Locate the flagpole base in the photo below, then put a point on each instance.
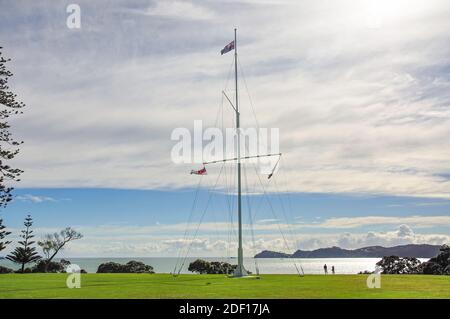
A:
(240, 272)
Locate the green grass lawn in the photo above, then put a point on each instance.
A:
(218, 286)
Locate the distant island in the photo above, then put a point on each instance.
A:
(412, 250)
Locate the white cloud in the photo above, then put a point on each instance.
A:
(35, 199)
(210, 246)
(179, 10)
(405, 231)
(402, 236)
(353, 222)
(216, 240)
(268, 220)
(361, 110)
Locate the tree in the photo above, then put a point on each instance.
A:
(439, 265)
(26, 253)
(8, 147)
(399, 265)
(53, 267)
(135, 267)
(3, 234)
(199, 266)
(216, 267)
(53, 243)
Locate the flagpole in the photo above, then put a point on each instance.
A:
(240, 270)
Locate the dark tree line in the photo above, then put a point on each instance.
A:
(9, 147)
(134, 267)
(3, 234)
(439, 265)
(201, 266)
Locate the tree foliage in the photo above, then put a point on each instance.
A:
(5, 270)
(439, 265)
(25, 253)
(399, 265)
(53, 267)
(9, 147)
(205, 267)
(135, 267)
(3, 234)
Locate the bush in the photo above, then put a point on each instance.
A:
(199, 266)
(110, 267)
(25, 271)
(130, 267)
(53, 267)
(446, 271)
(399, 265)
(138, 267)
(5, 270)
(439, 265)
(431, 268)
(64, 262)
(204, 267)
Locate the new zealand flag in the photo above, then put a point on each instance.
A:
(227, 48)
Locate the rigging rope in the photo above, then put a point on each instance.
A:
(248, 94)
(188, 222)
(264, 190)
(275, 217)
(201, 219)
(288, 194)
(230, 198)
(290, 228)
(251, 222)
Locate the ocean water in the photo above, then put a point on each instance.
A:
(265, 265)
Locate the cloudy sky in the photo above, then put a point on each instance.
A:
(360, 91)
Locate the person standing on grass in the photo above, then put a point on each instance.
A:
(325, 269)
(332, 270)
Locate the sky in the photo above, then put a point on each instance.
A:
(360, 91)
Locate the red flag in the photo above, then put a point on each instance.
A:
(199, 172)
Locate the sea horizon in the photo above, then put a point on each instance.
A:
(265, 265)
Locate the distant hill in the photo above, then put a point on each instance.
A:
(272, 254)
(413, 250)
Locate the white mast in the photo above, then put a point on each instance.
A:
(240, 270)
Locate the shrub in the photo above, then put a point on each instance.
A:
(138, 267)
(110, 267)
(431, 268)
(52, 266)
(446, 271)
(439, 265)
(25, 271)
(5, 270)
(199, 266)
(130, 267)
(399, 265)
(204, 267)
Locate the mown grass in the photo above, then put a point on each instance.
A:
(219, 286)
